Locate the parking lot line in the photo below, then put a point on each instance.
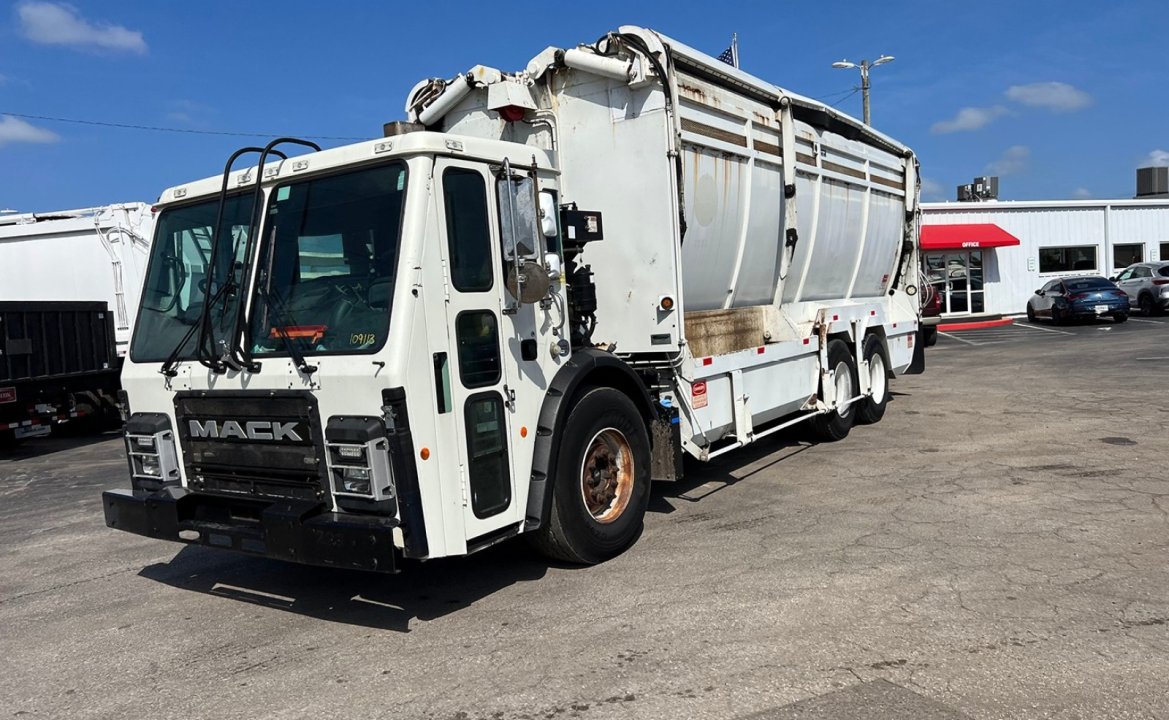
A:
(1154, 358)
(955, 337)
(1042, 329)
(1151, 322)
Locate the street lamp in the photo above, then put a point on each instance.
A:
(864, 66)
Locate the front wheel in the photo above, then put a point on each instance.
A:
(835, 425)
(1030, 313)
(872, 408)
(601, 487)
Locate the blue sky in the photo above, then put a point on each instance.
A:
(1061, 99)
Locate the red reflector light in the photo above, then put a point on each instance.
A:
(707, 361)
(835, 318)
(759, 351)
(512, 113)
(807, 341)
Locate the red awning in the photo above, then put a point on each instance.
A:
(950, 237)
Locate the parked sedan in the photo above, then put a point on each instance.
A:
(1147, 284)
(1088, 296)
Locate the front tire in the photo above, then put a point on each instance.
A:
(601, 488)
(872, 408)
(835, 425)
(1030, 313)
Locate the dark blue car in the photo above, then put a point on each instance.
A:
(1088, 296)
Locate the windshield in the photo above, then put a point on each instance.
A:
(176, 281)
(330, 248)
(1091, 283)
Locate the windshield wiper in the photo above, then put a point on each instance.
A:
(283, 319)
(168, 367)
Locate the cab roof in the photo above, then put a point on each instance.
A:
(361, 153)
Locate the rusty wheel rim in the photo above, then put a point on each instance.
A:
(606, 475)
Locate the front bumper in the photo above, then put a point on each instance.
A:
(295, 530)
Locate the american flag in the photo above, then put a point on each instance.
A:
(731, 55)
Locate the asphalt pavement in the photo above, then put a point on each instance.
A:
(996, 547)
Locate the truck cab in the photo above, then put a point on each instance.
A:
(335, 345)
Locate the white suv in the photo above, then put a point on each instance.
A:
(1147, 285)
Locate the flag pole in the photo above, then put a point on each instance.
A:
(735, 48)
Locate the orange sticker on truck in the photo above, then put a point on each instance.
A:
(698, 394)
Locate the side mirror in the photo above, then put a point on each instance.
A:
(1114, 278)
(521, 235)
(1039, 292)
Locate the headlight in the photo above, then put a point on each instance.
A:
(148, 465)
(359, 464)
(153, 456)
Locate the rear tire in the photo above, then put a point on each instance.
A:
(833, 426)
(601, 487)
(872, 409)
(1056, 316)
(1119, 318)
(1146, 304)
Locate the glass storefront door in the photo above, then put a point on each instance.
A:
(957, 276)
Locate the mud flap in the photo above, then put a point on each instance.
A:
(917, 367)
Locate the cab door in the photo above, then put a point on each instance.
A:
(473, 377)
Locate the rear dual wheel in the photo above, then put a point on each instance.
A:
(835, 425)
(872, 408)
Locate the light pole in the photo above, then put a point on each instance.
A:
(864, 66)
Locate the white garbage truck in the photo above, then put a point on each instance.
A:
(513, 311)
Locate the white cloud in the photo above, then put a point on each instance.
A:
(932, 190)
(15, 130)
(969, 118)
(1081, 193)
(1157, 158)
(1013, 160)
(1056, 96)
(50, 23)
(188, 112)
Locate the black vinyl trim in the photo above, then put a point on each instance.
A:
(405, 473)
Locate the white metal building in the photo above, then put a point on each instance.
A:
(989, 257)
(87, 254)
